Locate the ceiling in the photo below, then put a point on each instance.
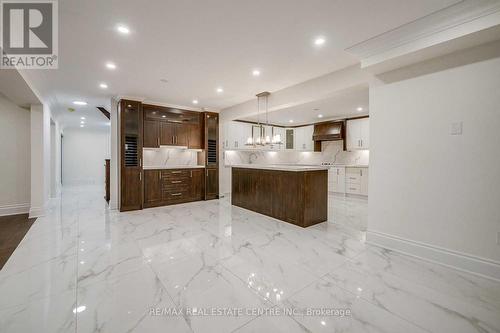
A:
(198, 46)
(342, 105)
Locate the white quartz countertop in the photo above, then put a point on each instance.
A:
(166, 167)
(281, 167)
(349, 166)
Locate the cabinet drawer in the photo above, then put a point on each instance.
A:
(353, 188)
(352, 178)
(167, 174)
(176, 181)
(176, 194)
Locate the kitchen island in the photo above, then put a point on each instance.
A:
(292, 193)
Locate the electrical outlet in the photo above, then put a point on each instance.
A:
(456, 128)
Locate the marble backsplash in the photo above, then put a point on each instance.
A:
(165, 156)
(331, 152)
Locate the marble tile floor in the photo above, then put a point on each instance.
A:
(83, 268)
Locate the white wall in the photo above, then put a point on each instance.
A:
(115, 156)
(15, 153)
(433, 194)
(84, 152)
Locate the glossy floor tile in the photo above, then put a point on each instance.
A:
(211, 267)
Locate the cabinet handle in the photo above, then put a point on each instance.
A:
(361, 172)
(191, 174)
(158, 140)
(176, 194)
(337, 172)
(353, 189)
(361, 142)
(140, 176)
(176, 181)
(140, 162)
(176, 171)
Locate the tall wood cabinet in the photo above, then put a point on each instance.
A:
(131, 155)
(211, 144)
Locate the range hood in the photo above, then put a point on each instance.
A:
(329, 131)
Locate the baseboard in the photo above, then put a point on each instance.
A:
(14, 209)
(461, 261)
(38, 211)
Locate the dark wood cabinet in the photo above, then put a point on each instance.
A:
(173, 186)
(197, 184)
(211, 183)
(211, 145)
(167, 134)
(131, 128)
(151, 134)
(181, 134)
(195, 136)
(297, 197)
(152, 188)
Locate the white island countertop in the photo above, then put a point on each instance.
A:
(281, 167)
(166, 167)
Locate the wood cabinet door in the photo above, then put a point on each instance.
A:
(131, 128)
(211, 183)
(197, 184)
(194, 140)
(151, 134)
(152, 187)
(167, 133)
(181, 134)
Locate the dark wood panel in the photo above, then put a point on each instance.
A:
(181, 134)
(300, 198)
(167, 134)
(151, 134)
(195, 136)
(197, 184)
(152, 188)
(211, 183)
(107, 181)
(131, 132)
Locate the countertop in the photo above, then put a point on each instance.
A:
(166, 167)
(348, 166)
(281, 167)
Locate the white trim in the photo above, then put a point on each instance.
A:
(455, 21)
(38, 211)
(462, 261)
(14, 209)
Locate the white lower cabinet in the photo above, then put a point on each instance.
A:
(356, 181)
(336, 179)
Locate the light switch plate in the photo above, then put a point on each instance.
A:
(456, 128)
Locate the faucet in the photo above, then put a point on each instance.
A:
(250, 157)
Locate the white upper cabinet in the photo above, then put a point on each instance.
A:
(358, 134)
(303, 138)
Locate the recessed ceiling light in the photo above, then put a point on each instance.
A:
(81, 125)
(82, 122)
(103, 86)
(359, 108)
(319, 41)
(320, 116)
(290, 121)
(255, 72)
(80, 103)
(79, 309)
(164, 116)
(195, 101)
(219, 90)
(123, 29)
(82, 118)
(110, 65)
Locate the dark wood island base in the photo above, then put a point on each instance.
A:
(298, 196)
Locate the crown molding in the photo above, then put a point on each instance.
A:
(459, 20)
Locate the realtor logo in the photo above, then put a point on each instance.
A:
(29, 34)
